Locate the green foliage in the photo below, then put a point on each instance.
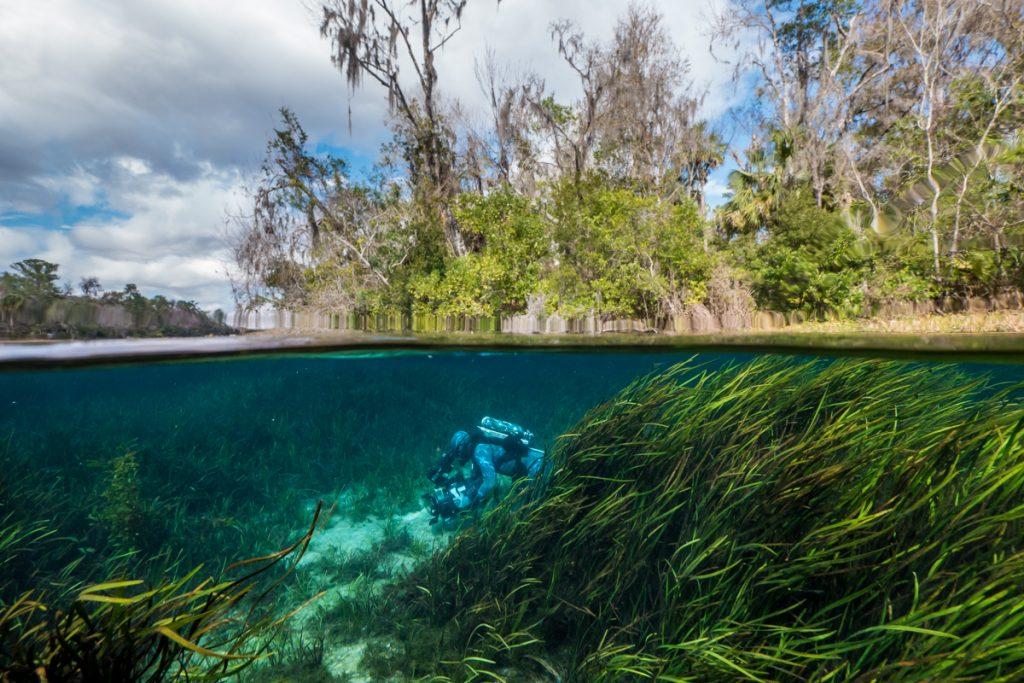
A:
(894, 139)
(773, 521)
(33, 283)
(497, 278)
(130, 519)
(624, 253)
(810, 260)
(186, 629)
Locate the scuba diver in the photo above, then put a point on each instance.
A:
(495, 447)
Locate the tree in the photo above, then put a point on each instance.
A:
(371, 38)
(809, 262)
(815, 71)
(306, 213)
(32, 282)
(703, 152)
(754, 191)
(955, 66)
(90, 287)
(38, 278)
(649, 130)
(508, 146)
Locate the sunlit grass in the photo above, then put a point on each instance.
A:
(189, 628)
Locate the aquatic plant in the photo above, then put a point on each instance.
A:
(847, 520)
(128, 517)
(298, 657)
(119, 631)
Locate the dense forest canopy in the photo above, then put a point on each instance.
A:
(881, 161)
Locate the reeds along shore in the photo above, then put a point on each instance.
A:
(852, 520)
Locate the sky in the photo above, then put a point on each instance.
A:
(129, 128)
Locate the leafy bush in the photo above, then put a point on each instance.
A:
(622, 252)
(810, 260)
(498, 277)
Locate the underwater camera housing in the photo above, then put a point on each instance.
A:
(444, 501)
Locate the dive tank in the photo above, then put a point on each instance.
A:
(500, 429)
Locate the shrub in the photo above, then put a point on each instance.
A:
(624, 253)
(496, 279)
(810, 261)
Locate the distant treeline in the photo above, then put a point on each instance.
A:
(33, 303)
(882, 162)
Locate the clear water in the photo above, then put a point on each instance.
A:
(224, 459)
(230, 453)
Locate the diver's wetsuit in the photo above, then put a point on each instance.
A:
(489, 459)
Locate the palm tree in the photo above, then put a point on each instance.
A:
(754, 192)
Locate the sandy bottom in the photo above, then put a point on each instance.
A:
(342, 540)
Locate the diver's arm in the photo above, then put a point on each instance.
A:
(457, 450)
(444, 464)
(533, 462)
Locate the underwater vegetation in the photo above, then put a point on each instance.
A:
(179, 464)
(725, 518)
(144, 472)
(852, 520)
(118, 631)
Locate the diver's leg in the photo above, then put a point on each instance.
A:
(484, 468)
(533, 462)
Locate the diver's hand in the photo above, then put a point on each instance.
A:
(463, 497)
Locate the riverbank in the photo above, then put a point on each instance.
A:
(935, 339)
(985, 322)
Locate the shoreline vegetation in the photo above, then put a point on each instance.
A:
(979, 319)
(35, 305)
(877, 169)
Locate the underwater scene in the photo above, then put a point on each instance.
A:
(535, 515)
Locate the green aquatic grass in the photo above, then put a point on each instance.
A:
(859, 520)
(183, 629)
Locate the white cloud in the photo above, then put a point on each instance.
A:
(79, 186)
(171, 244)
(133, 165)
(157, 110)
(15, 242)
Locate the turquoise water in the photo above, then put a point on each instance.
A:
(229, 453)
(149, 469)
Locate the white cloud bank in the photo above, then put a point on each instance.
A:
(156, 112)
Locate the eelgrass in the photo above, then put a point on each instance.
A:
(118, 631)
(855, 520)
